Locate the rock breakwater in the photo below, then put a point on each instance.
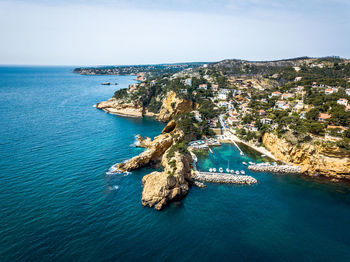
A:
(224, 178)
(284, 169)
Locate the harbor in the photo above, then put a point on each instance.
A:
(219, 175)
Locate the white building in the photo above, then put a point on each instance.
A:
(188, 81)
(342, 101)
(222, 95)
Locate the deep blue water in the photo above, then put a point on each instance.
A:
(58, 204)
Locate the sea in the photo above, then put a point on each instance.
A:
(59, 202)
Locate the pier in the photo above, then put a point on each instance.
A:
(240, 151)
(224, 178)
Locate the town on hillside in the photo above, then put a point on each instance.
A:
(300, 99)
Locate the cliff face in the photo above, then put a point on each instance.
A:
(172, 105)
(314, 159)
(161, 187)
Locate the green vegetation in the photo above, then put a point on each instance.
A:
(121, 93)
(180, 147)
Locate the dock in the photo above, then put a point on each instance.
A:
(240, 151)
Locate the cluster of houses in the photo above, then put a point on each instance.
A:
(237, 101)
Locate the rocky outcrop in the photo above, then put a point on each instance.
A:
(173, 105)
(153, 154)
(312, 157)
(116, 107)
(161, 187)
(143, 142)
(169, 127)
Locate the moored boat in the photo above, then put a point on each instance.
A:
(242, 172)
(210, 170)
(221, 170)
(237, 172)
(244, 163)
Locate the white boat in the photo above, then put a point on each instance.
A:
(227, 170)
(242, 172)
(241, 154)
(244, 163)
(263, 155)
(237, 172)
(221, 170)
(214, 169)
(210, 170)
(251, 163)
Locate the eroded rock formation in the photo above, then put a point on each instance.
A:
(115, 107)
(314, 158)
(161, 187)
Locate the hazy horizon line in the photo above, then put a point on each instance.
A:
(172, 63)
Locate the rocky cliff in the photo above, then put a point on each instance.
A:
(117, 107)
(171, 106)
(161, 187)
(153, 154)
(172, 183)
(314, 158)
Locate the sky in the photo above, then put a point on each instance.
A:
(121, 32)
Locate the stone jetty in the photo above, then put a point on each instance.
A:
(284, 169)
(223, 178)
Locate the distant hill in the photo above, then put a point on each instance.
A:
(238, 67)
(154, 70)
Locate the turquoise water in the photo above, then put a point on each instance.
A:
(58, 204)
